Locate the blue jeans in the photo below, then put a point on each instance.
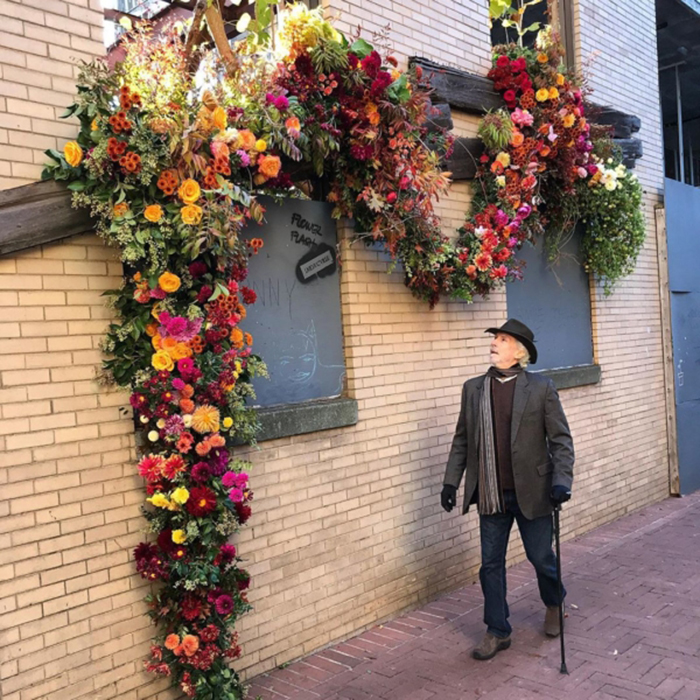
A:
(537, 537)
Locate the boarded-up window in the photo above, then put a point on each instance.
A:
(295, 323)
(554, 301)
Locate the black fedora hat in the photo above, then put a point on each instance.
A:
(520, 332)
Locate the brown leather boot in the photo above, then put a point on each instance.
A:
(551, 621)
(490, 646)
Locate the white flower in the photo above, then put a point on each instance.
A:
(187, 420)
(153, 436)
(143, 419)
(480, 231)
(501, 181)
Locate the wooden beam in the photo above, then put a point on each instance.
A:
(37, 214)
(667, 345)
(465, 158)
(461, 90)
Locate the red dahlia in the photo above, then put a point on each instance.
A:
(202, 501)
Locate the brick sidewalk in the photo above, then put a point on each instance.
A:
(634, 631)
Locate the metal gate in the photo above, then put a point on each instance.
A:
(683, 239)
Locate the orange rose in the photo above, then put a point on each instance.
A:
(73, 154)
(180, 351)
(218, 118)
(168, 344)
(120, 209)
(190, 644)
(191, 214)
(153, 213)
(293, 126)
(169, 282)
(517, 139)
(542, 58)
(152, 330)
(172, 641)
(269, 166)
(246, 140)
(156, 341)
(189, 191)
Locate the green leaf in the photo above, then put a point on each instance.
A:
(398, 90)
(498, 7)
(69, 112)
(54, 154)
(361, 48)
(534, 27)
(77, 186)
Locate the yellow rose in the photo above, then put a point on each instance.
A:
(94, 126)
(189, 191)
(542, 95)
(73, 154)
(227, 422)
(191, 214)
(569, 120)
(553, 93)
(560, 79)
(169, 282)
(153, 213)
(180, 495)
(179, 536)
(162, 361)
(218, 118)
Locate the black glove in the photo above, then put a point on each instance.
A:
(448, 497)
(559, 495)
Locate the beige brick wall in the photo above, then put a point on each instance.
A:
(347, 529)
(40, 41)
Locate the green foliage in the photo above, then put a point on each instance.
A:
(496, 129)
(614, 229)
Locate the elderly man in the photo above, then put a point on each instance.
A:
(513, 444)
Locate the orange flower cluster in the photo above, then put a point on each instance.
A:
(120, 123)
(210, 181)
(168, 182)
(197, 344)
(210, 443)
(221, 164)
(131, 162)
(128, 99)
(115, 148)
(256, 244)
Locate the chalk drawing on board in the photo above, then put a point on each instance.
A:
(302, 362)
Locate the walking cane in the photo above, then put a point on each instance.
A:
(563, 668)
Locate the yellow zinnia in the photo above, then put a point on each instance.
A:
(227, 422)
(569, 120)
(180, 495)
(179, 536)
(205, 419)
(260, 145)
(553, 93)
(169, 282)
(542, 95)
(503, 158)
(73, 153)
(159, 500)
(560, 79)
(162, 361)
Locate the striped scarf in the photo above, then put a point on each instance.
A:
(490, 501)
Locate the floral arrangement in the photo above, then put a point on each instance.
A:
(539, 176)
(170, 164)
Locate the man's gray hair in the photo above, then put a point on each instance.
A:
(524, 359)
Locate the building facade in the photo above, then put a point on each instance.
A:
(347, 528)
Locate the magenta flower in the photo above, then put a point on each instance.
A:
(178, 384)
(281, 103)
(227, 552)
(224, 605)
(236, 495)
(229, 479)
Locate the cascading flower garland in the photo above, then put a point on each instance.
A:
(170, 165)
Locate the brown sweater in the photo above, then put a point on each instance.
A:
(502, 404)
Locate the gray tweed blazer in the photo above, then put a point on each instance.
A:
(541, 444)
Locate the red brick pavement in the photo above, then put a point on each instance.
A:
(634, 631)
